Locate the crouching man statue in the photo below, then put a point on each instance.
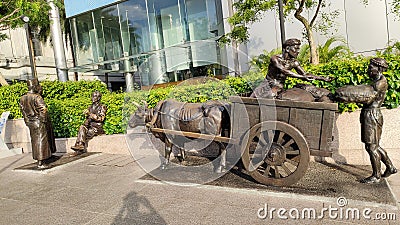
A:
(37, 119)
(93, 125)
(280, 67)
(371, 118)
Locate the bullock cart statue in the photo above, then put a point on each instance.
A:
(274, 138)
(277, 137)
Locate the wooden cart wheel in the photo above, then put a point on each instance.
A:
(276, 153)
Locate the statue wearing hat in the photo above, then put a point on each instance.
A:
(37, 119)
(371, 118)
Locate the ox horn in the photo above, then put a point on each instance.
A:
(146, 105)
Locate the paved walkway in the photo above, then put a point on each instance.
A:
(104, 189)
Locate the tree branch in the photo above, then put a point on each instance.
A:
(299, 10)
(316, 13)
(298, 15)
(9, 15)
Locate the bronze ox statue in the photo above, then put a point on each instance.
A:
(211, 118)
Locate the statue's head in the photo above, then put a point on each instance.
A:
(96, 96)
(139, 117)
(376, 67)
(34, 86)
(292, 47)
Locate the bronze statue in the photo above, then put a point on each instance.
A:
(371, 118)
(372, 121)
(211, 117)
(280, 68)
(36, 117)
(93, 125)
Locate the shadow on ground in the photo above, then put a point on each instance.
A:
(136, 207)
(321, 179)
(55, 161)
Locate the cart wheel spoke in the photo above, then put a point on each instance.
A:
(280, 138)
(277, 175)
(264, 140)
(292, 162)
(293, 152)
(281, 155)
(287, 170)
(266, 171)
(296, 158)
(289, 143)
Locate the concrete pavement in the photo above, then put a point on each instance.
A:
(106, 189)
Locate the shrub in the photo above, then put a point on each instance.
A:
(354, 72)
(71, 89)
(9, 98)
(67, 101)
(52, 90)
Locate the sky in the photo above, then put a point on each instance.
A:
(74, 7)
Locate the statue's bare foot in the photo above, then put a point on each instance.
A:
(389, 171)
(370, 180)
(164, 166)
(220, 169)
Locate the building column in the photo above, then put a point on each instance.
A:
(128, 76)
(57, 40)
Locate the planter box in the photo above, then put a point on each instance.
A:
(347, 148)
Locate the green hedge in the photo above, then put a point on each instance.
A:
(354, 72)
(67, 101)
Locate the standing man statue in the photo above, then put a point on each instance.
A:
(372, 121)
(280, 67)
(37, 119)
(93, 125)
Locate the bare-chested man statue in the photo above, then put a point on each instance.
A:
(280, 68)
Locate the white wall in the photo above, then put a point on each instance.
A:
(14, 58)
(364, 27)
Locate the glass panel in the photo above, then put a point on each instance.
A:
(101, 42)
(201, 19)
(134, 26)
(135, 31)
(198, 20)
(167, 18)
(82, 27)
(111, 33)
(160, 39)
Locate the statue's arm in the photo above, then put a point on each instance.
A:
(41, 108)
(21, 106)
(100, 115)
(309, 76)
(277, 64)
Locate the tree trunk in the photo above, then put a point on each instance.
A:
(314, 59)
(3, 81)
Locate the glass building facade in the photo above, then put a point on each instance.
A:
(157, 41)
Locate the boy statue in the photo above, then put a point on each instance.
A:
(371, 118)
(372, 121)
